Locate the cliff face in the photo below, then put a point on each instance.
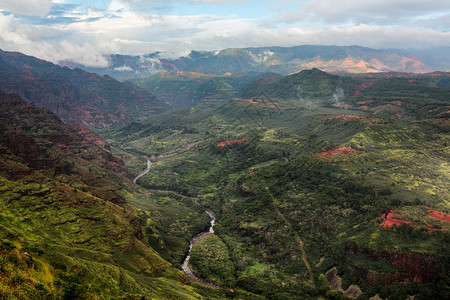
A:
(75, 95)
(417, 267)
(46, 144)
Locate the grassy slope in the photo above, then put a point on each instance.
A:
(66, 229)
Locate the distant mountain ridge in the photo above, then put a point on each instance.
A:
(75, 95)
(282, 60)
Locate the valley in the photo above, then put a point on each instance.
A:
(299, 186)
(257, 185)
(224, 150)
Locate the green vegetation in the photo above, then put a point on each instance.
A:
(66, 229)
(272, 190)
(187, 89)
(211, 261)
(301, 172)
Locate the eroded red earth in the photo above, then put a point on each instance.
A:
(364, 102)
(438, 214)
(388, 220)
(224, 143)
(328, 154)
(395, 218)
(342, 105)
(357, 91)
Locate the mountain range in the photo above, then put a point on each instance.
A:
(282, 60)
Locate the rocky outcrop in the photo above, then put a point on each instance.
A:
(417, 267)
(335, 284)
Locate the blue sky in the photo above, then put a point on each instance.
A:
(83, 31)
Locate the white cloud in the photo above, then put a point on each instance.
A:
(120, 29)
(27, 7)
(222, 2)
(55, 47)
(123, 69)
(372, 11)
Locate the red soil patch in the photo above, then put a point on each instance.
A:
(364, 102)
(342, 105)
(364, 107)
(336, 151)
(437, 108)
(357, 92)
(440, 121)
(166, 63)
(316, 62)
(362, 64)
(378, 64)
(348, 61)
(411, 65)
(224, 143)
(388, 220)
(438, 214)
(399, 103)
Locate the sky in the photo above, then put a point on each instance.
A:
(84, 31)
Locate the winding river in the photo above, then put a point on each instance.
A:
(149, 165)
(185, 265)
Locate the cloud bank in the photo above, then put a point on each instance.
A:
(58, 30)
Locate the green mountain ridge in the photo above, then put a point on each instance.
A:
(308, 83)
(185, 89)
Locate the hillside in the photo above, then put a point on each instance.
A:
(75, 95)
(322, 185)
(282, 60)
(69, 223)
(305, 84)
(186, 89)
